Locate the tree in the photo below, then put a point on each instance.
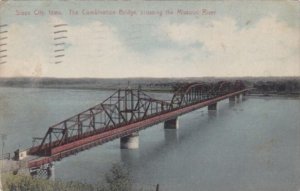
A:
(117, 179)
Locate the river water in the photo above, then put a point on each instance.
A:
(251, 145)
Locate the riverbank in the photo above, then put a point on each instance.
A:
(26, 183)
(118, 178)
(264, 85)
(283, 95)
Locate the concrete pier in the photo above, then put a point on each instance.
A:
(172, 124)
(51, 171)
(212, 107)
(130, 141)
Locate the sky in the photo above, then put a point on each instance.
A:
(149, 38)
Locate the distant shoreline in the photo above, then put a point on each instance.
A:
(266, 95)
(166, 90)
(264, 86)
(90, 88)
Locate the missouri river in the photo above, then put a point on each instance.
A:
(251, 145)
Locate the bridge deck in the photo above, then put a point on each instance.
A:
(63, 151)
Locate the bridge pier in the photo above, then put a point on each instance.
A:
(212, 107)
(172, 124)
(130, 141)
(51, 172)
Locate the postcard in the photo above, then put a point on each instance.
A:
(150, 95)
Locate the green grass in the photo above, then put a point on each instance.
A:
(27, 183)
(117, 179)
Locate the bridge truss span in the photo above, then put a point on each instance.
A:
(195, 92)
(121, 108)
(126, 111)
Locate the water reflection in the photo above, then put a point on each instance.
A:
(171, 136)
(129, 156)
(212, 114)
(238, 99)
(231, 103)
(202, 113)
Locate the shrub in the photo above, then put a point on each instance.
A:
(117, 179)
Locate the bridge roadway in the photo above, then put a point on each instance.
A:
(71, 148)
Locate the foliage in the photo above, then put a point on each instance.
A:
(27, 183)
(279, 86)
(117, 179)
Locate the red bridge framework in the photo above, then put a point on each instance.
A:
(125, 112)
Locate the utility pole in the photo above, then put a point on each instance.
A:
(3, 138)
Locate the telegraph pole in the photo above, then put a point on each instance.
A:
(3, 138)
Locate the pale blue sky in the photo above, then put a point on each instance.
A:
(241, 38)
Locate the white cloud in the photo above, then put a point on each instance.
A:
(26, 52)
(269, 47)
(92, 50)
(97, 51)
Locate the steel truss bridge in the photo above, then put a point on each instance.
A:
(123, 113)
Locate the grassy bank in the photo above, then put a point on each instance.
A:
(27, 183)
(117, 179)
